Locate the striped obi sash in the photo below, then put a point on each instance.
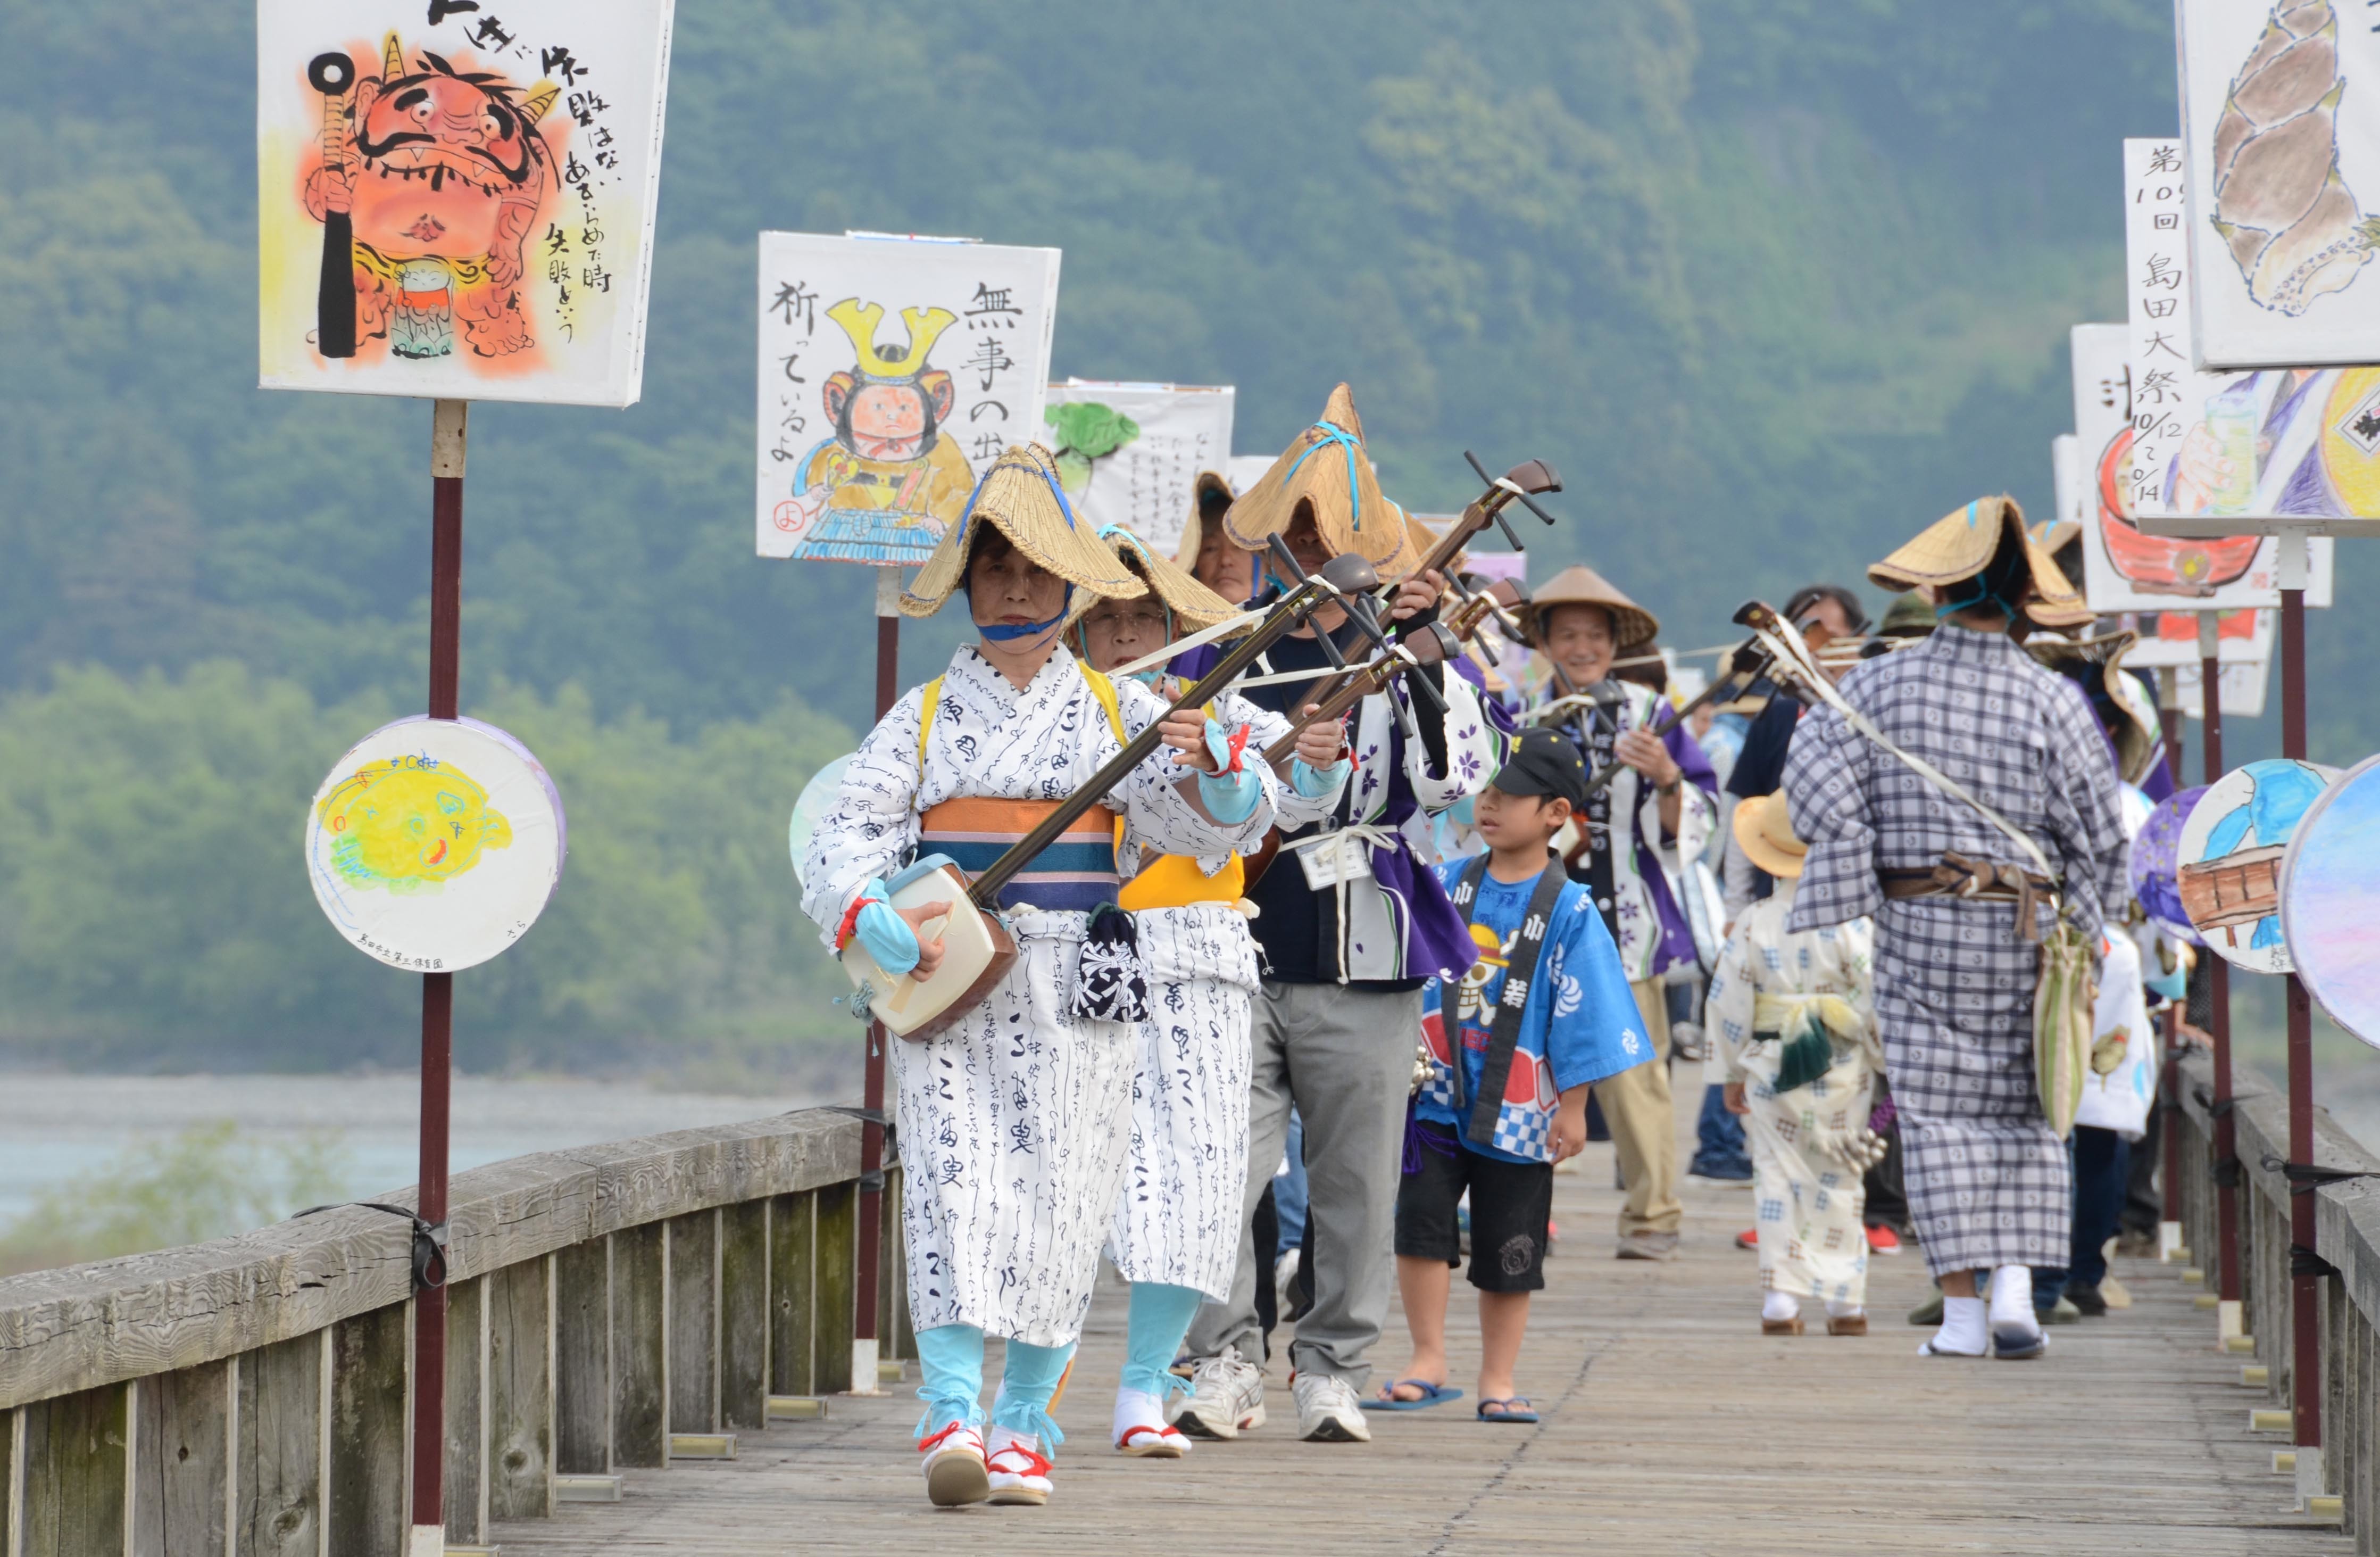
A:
(1077, 871)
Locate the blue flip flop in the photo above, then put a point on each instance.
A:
(1433, 1394)
(1517, 1408)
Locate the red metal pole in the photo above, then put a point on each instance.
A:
(446, 446)
(2169, 1086)
(2218, 986)
(2304, 1287)
(871, 1133)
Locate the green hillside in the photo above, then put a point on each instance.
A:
(1770, 281)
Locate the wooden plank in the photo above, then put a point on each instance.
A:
(838, 1269)
(582, 1359)
(464, 1486)
(792, 1294)
(182, 1462)
(902, 1336)
(12, 1470)
(641, 1393)
(367, 1512)
(277, 1454)
(87, 1325)
(744, 1315)
(694, 1324)
(77, 1450)
(520, 1301)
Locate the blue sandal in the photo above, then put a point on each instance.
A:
(1432, 1394)
(1517, 1408)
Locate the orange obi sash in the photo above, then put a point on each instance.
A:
(1077, 871)
(1174, 881)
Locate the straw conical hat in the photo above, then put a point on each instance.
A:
(1019, 496)
(1194, 605)
(1765, 830)
(1962, 543)
(1630, 623)
(1326, 470)
(1211, 490)
(2138, 730)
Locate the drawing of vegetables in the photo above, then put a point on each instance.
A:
(1086, 432)
(2292, 226)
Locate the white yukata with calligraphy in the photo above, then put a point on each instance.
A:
(1806, 1172)
(1013, 1122)
(1177, 1220)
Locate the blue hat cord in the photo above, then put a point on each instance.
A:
(1333, 434)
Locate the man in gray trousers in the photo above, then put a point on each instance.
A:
(1350, 926)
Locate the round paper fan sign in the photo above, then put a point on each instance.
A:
(435, 844)
(2228, 863)
(2330, 901)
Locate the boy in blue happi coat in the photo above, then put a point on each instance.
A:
(1544, 1012)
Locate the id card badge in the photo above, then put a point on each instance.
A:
(1344, 858)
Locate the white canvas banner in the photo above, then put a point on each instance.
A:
(2170, 637)
(2205, 444)
(892, 372)
(2069, 483)
(458, 203)
(1130, 454)
(2281, 112)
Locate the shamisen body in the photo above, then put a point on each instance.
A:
(1176, 1231)
(1013, 1121)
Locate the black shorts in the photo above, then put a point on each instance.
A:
(1511, 1204)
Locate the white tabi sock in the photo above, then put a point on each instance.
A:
(1962, 1333)
(1781, 1305)
(1136, 1408)
(1838, 1309)
(2012, 1299)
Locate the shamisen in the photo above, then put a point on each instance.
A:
(1015, 1116)
(1175, 1235)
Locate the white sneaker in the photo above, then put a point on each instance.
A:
(955, 1469)
(1226, 1397)
(1019, 1471)
(1285, 1280)
(1328, 1411)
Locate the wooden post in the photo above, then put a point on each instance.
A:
(449, 421)
(77, 1472)
(838, 1244)
(277, 1450)
(2305, 1287)
(2169, 1073)
(182, 1434)
(582, 1358)
(694, 1322)
(865, 1333)
(792, 1294)
(366, 1515)
(520, 1306)
(641, 1381)
(743, 1326)
(465, 1473)
(2229, 1294)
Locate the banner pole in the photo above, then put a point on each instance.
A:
(867, 1345)
(449, 420)
(2228, 1298)
(2305, 1290)
(2169, 1072)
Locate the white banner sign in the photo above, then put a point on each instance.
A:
(2281, 112)
(2205, 444)
(1130, 454)
(458, 203)
(892, 372)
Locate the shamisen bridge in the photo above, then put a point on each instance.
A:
(649, 1347)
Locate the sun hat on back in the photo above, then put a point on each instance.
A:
(1764, 829)
(1326, 472)
(1019, 497)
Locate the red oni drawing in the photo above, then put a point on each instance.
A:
(431, 178)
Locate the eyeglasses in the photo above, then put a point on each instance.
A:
(1138, 624)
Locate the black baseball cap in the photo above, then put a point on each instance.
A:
(1544, 761)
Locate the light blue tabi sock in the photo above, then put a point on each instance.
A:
(1160, 1318)
(950, 1359)
(1025, 1385)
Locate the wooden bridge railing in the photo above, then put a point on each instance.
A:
(2347, 1234)
(609, 1309)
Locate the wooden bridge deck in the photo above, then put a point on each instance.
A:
(1671, 1425)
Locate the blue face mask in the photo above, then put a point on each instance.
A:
(1006, 632)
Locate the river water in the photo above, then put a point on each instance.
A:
(57, 1129)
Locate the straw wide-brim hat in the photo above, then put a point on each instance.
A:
(1325, 471)
(1962, 543)
(1019, 496)
(1764, 829)
(2137, 734)
(1910, 615)
(1194, 529)
(1194, 605)
(1581, 585)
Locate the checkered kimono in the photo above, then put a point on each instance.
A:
(1988, 1181)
